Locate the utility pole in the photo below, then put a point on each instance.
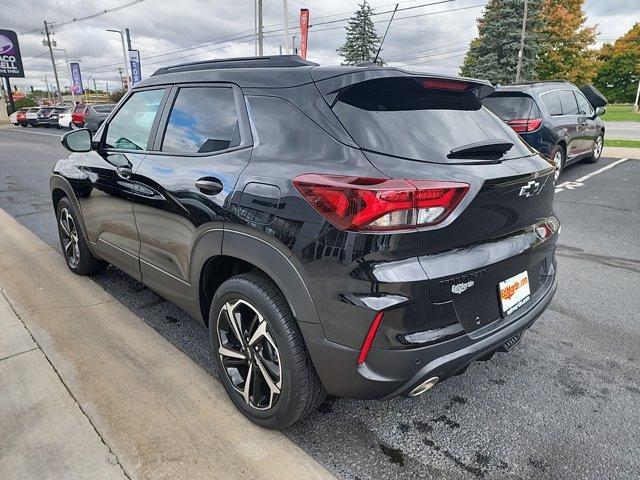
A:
(53, 61)
(260, 35)
(255, 28)
(46, 82)
(287, 40)
(635, 105)
(522, 35)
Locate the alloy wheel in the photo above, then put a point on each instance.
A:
(597, 149)
(69, 234)
(249, 355)
(557, 161)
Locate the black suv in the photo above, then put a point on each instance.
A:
(554, 117)
(359, 231)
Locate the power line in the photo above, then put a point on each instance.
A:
(225, 38)
(87, 17)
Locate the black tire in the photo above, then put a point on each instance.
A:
(597, 150)
(301, 390)
(79, 258)
(558, 157)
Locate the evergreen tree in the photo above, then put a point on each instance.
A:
(619, 69)
(565, 54)
(494, 54)
(362, 40)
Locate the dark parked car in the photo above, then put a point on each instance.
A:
(91, 116)
(365, 232)
(553, 117)
(48, 116)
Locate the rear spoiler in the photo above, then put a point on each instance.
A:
(330, 87)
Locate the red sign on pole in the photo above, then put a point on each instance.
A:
(304, 30)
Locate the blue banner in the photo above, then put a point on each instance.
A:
(76, 78)
(136, 70)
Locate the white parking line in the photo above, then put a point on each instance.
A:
(34, 133)
(573, 184)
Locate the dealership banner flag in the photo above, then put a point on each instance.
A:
(136, 71)
(76, 78)
(10, 58)
(304, 30)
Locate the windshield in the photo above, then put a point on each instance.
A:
(512, 106)
(401, 117)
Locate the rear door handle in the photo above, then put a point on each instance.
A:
(209, 185)
(124, 172)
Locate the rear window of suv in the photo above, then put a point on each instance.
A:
(401, 117)
(512, 106)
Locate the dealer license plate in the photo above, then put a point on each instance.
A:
(514, 292)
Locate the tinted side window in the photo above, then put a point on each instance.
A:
(130, 128)
(202, 120)
(568, 101)
(584, 107)
(551, 101)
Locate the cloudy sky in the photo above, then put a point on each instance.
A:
(423, 37)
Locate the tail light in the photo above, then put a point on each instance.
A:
(379, 204)
(525, 125)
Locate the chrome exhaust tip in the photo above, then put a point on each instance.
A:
(424, 386)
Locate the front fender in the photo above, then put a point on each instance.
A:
(60, 183)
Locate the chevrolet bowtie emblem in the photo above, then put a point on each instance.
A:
(530, 189)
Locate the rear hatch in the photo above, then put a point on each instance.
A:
(414, 129)
(518, 109)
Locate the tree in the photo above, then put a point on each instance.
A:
(24, 103)
(619, 71)
(494, 54)
(565, 53)
(362, 40)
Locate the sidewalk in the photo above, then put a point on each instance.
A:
(621, 152)
(45, 434)
(90, 391)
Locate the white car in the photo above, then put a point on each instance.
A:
(64, 119)
(32, 116)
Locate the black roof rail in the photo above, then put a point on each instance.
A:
(276, 61)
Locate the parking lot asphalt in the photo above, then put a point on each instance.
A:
(563, 404)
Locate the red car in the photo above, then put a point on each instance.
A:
(21, 118)
(78, 115)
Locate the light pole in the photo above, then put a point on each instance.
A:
(124, 53)
(66, 60)
(287, 40)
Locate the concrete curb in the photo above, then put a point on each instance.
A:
(160, 414)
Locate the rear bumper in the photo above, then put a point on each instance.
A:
(389, 373)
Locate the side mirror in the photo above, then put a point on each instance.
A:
(600, 111)
(77, 140)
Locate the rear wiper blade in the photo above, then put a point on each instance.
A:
(485, 150)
